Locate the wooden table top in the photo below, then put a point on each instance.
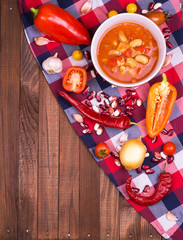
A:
(50, 185)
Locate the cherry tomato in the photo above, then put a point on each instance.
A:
(131, 8)
(112, 13)
(157, 17)
(169, 148)
(102, 150)
(75, 79)
(77, 55)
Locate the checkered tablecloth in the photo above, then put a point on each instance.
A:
(173, 202)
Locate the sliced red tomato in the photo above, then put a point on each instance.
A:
(128, 53)
(112, 62)
(75, 79)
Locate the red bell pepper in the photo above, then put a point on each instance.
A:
(60, 25)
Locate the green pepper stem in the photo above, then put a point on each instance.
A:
(164, 171)
(34, 11)
(137, 124)
(164, 80)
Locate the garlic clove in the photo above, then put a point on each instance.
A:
(119, 148)
(86, 7)
(77, 117)
(52, 64)
(124, 137)
(41, 41)
(167, 60)
(55, 55)
(171, 217)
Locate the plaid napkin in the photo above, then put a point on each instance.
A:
(173, 202)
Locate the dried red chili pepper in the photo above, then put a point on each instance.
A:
(164, 185)
(60, 25)
(161, 98)
(108, 121)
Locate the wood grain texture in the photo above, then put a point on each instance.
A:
(9, 115)
(89, 195)
(28, 144)
(50, 185)
(68, 180)
(129, 221)
(109, 209)
(48, 163)
(147, 231)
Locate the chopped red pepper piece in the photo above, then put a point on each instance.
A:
(112, 62)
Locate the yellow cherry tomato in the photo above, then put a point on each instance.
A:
(112, 13)
(131, 8)
(77, 55)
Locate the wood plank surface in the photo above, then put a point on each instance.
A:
(109, 209)
(68, 180)
(9, 116)
(89, 195)
(48, 171)
(28, 144)
(50, 185)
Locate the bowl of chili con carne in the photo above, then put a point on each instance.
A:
(128, 50)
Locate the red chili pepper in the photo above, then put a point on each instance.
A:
(164, 185)
(108, 121)
(60, 25)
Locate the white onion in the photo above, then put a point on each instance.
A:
(132, 154)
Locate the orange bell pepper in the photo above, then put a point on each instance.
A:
(161, 98)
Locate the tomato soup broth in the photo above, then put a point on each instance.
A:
(127, 52)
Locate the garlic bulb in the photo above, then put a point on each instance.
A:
(52, 64)
(41, 41)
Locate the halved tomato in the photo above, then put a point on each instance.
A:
(75, 79)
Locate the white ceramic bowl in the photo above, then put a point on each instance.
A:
(135, 18)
